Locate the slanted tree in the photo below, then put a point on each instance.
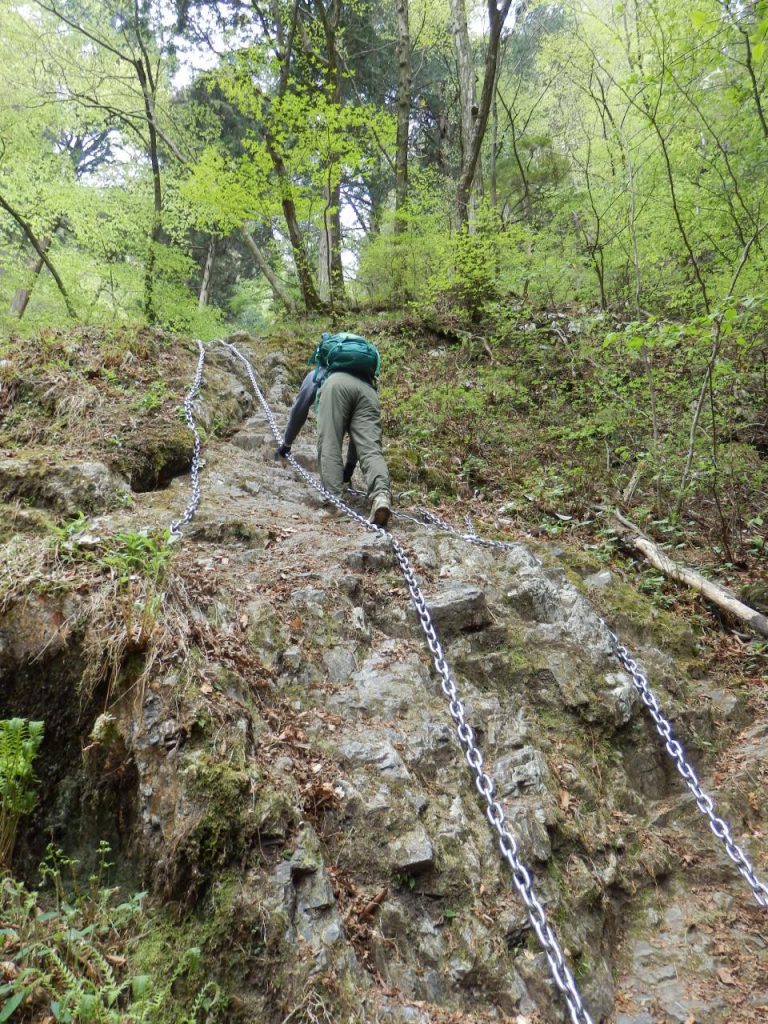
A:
(124, 79)
(87, 151)
(472, 138)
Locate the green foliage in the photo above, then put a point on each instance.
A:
(19, 743)
(70, 943)
(250, 303)
(128, 555)
(69, 528)
(553, 415)
(622, 171)
(134, 553)
(153, 397)
(405, 881)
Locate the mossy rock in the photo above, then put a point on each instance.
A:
(154, 455)
(274, 813)
(18, 519)
(236, 807)
(579, 563)
(232, 529)
(46, 480)
(628, 612)
(182, 956)
(216, 833)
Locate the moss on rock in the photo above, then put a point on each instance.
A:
(44, 479)
(16, 518)
(154, 455)
(629, 612)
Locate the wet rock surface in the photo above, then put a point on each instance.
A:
(291, 735)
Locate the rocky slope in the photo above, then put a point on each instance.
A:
(259, 732)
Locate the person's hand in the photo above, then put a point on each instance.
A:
(282, 451)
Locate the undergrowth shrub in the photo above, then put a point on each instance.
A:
(562, 412)
(67, 952)
(19, 743)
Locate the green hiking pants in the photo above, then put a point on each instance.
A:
(349, 405)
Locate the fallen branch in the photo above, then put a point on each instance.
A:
(718, 595)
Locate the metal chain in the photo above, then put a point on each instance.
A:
(194, 471)
(675, 751)
(484, 784)
(673, 747)
(470, 537)
(494, 812)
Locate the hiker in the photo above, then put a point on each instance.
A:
(347, 403)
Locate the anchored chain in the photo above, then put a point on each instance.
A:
(673, 747)
(470, 536)
(494, 811)
(194, 471)
(483, 782)
(675, 751)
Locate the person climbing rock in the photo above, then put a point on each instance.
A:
(348, 403)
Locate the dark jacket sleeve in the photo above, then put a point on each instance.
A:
(300, 408)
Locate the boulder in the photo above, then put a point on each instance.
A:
(63, 485)
(458, 607)
(412, 853)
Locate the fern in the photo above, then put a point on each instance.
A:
(19, 743)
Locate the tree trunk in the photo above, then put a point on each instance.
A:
(716, 341)
(525, 199)
(278, 289)
(310, 297)
(324, 287)
(494, 143)
(312, 301)
(496, 18)
(330, 276)
(147, 83)
(337, 269)
(205, 284)
(21, 296)
(42, 254)
(331, 272)
(755, 85)
(403, 111)
(466, 71)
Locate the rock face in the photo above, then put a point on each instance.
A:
(51, 482)
(296, 776)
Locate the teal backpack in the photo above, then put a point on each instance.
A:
(349, 353)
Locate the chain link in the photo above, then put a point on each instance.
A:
(470, 537)
(494, 812)
(194, 471)
(675, 751)
(673, 747)
(484, 784)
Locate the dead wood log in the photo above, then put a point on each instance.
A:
(719, 596)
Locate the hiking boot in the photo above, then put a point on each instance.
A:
(381, 510)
